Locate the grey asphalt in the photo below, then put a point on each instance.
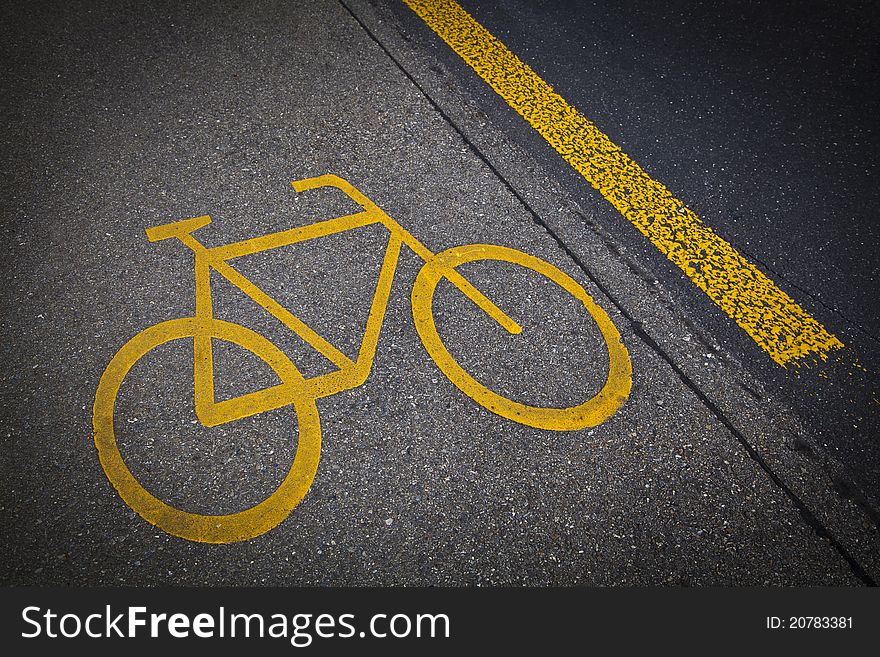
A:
(119, 116)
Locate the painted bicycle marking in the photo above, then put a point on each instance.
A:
(301, 392)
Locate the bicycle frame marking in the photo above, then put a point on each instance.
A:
(349, 373)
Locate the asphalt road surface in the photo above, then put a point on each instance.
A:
(761, 117)
(709, 464)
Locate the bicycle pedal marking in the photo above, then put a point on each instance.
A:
(302, 393)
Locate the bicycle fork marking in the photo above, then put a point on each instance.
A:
(302, 393)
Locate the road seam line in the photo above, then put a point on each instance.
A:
(803, 510)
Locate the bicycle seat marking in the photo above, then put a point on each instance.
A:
(300, 392)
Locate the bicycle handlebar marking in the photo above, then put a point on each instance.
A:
(302, 393)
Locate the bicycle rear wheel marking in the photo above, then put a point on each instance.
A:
(192, 526)
(588, 414)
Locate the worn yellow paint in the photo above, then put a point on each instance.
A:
(772, 318)
(302, 393)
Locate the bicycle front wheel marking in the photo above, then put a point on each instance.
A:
(588, 414)
(193, 526)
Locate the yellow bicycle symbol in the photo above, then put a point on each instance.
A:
(301, 392)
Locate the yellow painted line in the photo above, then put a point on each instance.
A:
(771, 318)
